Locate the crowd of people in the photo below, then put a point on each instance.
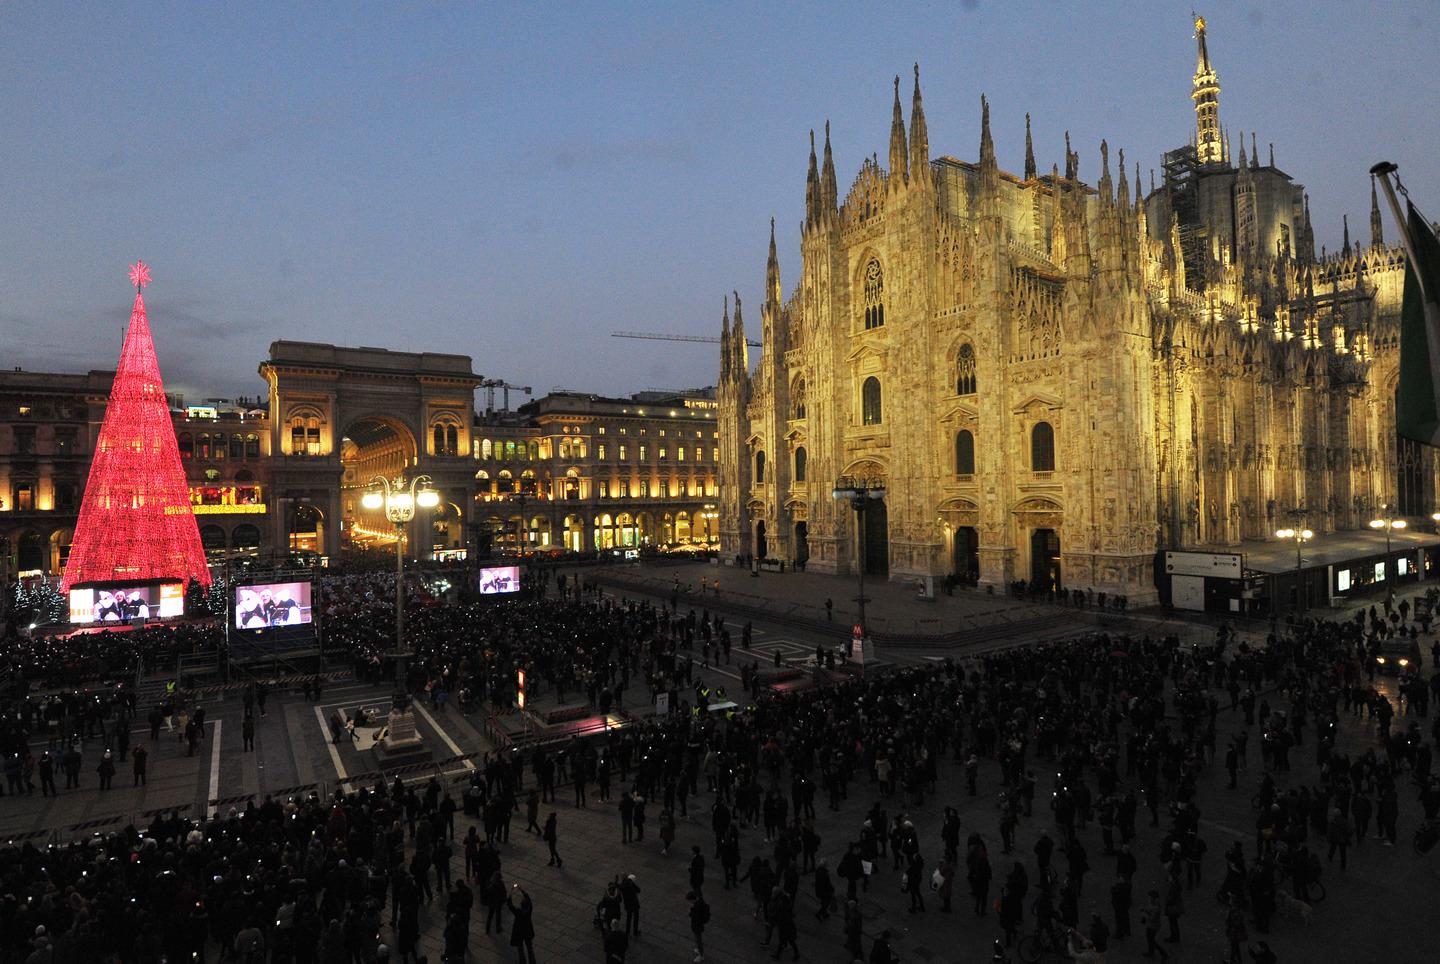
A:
(1095, 749)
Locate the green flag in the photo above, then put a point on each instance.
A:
(1417, 409)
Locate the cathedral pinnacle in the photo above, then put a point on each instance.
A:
(829, 197)
(899, 161)
(1072, 161)
(1205, 92)
(725, 339)
(1104, 171)
(1029, 151)
(1254, 153)
(989, 173)
(772, 270)
(1345, 248)
(812, 187)
(1124, 193)
(919, 135)
(1377, 229)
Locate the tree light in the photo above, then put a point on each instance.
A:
(135, 520)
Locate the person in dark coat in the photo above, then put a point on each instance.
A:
(522, 926)
(630, 897)
(824, 891)
(551, 836)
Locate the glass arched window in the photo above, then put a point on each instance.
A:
(797, 400)
(964, 452)
(802, 460)
(965, 371)
(874, 295)
(186, 442)
(759, 467)
(439, 440)
(870, 410)
(452, 440)
(1042, 448)
(252, 446)
(237, 446)
(202, 446)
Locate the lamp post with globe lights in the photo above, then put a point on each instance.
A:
(859, 493)
(1301, 536)
(399, 499)
(1387, 520)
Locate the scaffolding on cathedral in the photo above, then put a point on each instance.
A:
(136, 524)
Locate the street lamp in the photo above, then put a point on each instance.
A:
(399, 499)
(1388, 521)
(1301, 536)
(859, 493)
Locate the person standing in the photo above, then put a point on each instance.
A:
(522, 924)
(1174, 907)
(71, 762)
(139, 758)
(697, 869)
(1120, 903)
(699, 917)
(47, 776)
(551, 836)
(630, 897)
(1150, 917)
(106, 770)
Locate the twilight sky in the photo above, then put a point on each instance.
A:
(515, 181)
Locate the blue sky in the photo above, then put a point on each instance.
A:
(516, 181)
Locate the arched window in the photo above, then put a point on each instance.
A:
(452, 440)
(874, 295)
(965, 371)
(237, 446)
(870, 410)
(187, 445)
(759, 467)
(802, 460)
(202, 446)
(439, 440)
(1042, 448)
(964, 452)
(486, 449)
(252, 446)
(797, 400)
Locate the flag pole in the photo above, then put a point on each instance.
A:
(1383, 171)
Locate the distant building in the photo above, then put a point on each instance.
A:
(1053, 378)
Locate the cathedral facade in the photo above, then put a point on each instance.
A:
(1053, 378)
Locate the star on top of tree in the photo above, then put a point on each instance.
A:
(139, 274)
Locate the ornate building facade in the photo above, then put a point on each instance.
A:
(1054, 379)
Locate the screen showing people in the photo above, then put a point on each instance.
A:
(499, 580)
(272, 604)
(125, 604)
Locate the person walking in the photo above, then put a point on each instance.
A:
(699, 917)
(697, 869)
(139, 758)
(824, 890)
(1174, 907)
(522, 924)
(551, 836)
(1150, 917)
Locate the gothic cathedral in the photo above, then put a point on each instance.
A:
(1054, 379)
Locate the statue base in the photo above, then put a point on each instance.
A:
(401, 742)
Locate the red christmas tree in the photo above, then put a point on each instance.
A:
(135, 521)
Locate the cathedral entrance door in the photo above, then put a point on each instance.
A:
(802, 542)
(877, 538)
(1045, 558)
(762, 548)
(967, 553)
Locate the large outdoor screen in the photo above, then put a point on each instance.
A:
(122, 604)
(272, 604)
(499, 580)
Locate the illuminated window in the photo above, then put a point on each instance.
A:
(874, 295)
(604, 489)
(679, 453)
(187, 445)
(870, 409)
(642, 453)
(622, 451)
(202, 446)
(25, 497)
(600, 451)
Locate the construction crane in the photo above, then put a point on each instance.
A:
(656, 336)
(490, 384)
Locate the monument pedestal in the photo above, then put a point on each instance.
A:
(401, 743)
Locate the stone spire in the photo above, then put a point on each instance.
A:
(1377, 229)
(740, 362)
(919, 135)
(1072, 161)
(1345, 248)
(899, 159)
(989, 172)
(1242, 166)
(812, 187)
(1123, 195)
(1105, 183)
(829, 195)
(1254, 153)
(772, 270)
(1272, 153)
(1307, 236)
(725, 352)
(1029, 151)
(1205, 92)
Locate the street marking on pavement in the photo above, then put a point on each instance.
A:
(329, 744)
(454, 747)
(214, 761)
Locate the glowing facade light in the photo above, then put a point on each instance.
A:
(136, 521)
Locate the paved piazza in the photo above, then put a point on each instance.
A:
(1372, 910)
